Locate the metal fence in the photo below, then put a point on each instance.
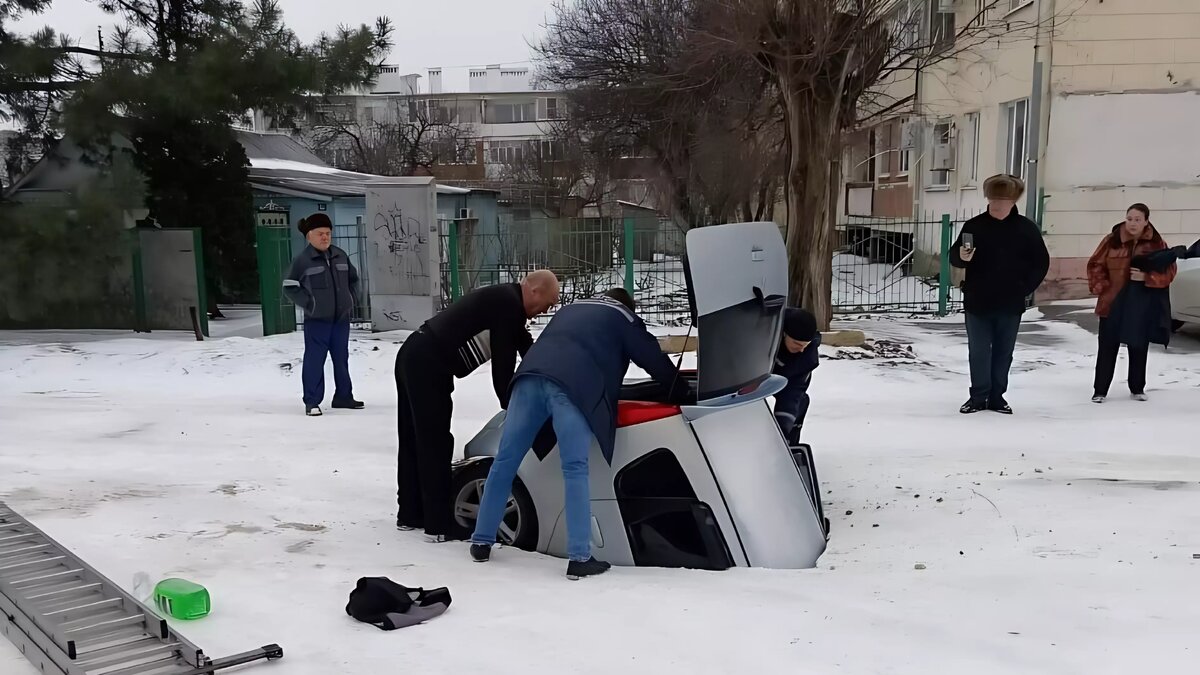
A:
(895, 265)
(879, 265)
(353, 240)
(644, 255)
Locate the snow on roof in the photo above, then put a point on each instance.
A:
(324, 180)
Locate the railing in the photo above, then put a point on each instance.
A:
(640, 254)
(879, 265)
(895, 265)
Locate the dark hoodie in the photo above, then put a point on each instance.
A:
(1010, 263)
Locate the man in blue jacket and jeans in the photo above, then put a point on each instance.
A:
(323, 282)
(572, 376)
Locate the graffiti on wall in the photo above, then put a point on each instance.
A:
(407, 241)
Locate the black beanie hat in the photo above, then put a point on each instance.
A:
(799, 324)
(313, 222)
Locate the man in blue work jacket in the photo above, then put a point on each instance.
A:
(572, 376)
(323, 282)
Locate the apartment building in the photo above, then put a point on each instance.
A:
(499, 120)
(1092, 102)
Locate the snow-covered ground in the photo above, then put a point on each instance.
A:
(1060, 540)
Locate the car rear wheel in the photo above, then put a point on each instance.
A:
(518, 527)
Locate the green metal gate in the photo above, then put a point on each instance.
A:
(273, 235)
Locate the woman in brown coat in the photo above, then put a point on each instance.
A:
(1132, 305)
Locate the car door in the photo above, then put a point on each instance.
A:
(737, 279)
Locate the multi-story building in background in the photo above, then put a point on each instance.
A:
(499, 119)
(1092, 102)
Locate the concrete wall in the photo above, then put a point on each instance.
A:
(403, 253)
(1125, 80)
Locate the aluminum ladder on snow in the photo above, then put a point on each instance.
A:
(68, 619)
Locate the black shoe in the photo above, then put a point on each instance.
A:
(1001, 407)
(587, 568)
(971, 407)
(313, 411)
(348, 404)
(481, 552)
(405, 527)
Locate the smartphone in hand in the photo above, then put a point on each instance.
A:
(968, 241)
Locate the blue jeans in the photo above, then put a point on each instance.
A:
(321, 339)
(534, 399)
(991, 339)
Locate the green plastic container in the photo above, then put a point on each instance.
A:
(182, 599)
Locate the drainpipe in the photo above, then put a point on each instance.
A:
(1039, 108)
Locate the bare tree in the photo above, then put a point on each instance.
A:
(825, 60)
(624, 66)
(410, 136)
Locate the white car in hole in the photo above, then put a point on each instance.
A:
(1185, 293)
(709, 485)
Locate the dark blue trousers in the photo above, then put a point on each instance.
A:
(991, 339)
(322, 339)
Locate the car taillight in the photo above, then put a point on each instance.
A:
(637, 412)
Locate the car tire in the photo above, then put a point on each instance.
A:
(466, 488)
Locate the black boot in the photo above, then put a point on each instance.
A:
(577, 569)
(348, 404)
(1001, 406)
(481, 552)
(971, 407)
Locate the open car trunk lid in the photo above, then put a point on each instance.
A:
(737, 288)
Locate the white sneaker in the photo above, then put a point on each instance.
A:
(435, 538)
(1097, 399)
(314, 411)
(1139, 397)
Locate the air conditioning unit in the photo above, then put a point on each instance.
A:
(465, 214)
(943, 157)
(945, 6)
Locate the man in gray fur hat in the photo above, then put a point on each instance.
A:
(1005, 260)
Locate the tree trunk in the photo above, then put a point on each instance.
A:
(809, 240)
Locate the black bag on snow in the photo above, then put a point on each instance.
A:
(388, 605)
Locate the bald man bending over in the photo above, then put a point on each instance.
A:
(485, 324)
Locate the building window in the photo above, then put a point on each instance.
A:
(907, 142)
(552, 151)
(941, 27)
(982, 7)
(969, 149)
(906, 27)
(552, 108)
(454, 151)
(870, 160)
(941, 155)
(505, 113)
(507, 152)
(1016, 116)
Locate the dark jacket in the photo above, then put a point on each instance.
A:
(1109, 267)
(1010, 263)
(586, 349)
(488, 323)
(791, 404)
(324, 285)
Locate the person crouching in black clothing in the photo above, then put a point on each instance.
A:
(796, 360)
(486, 324)
(1005, 260)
